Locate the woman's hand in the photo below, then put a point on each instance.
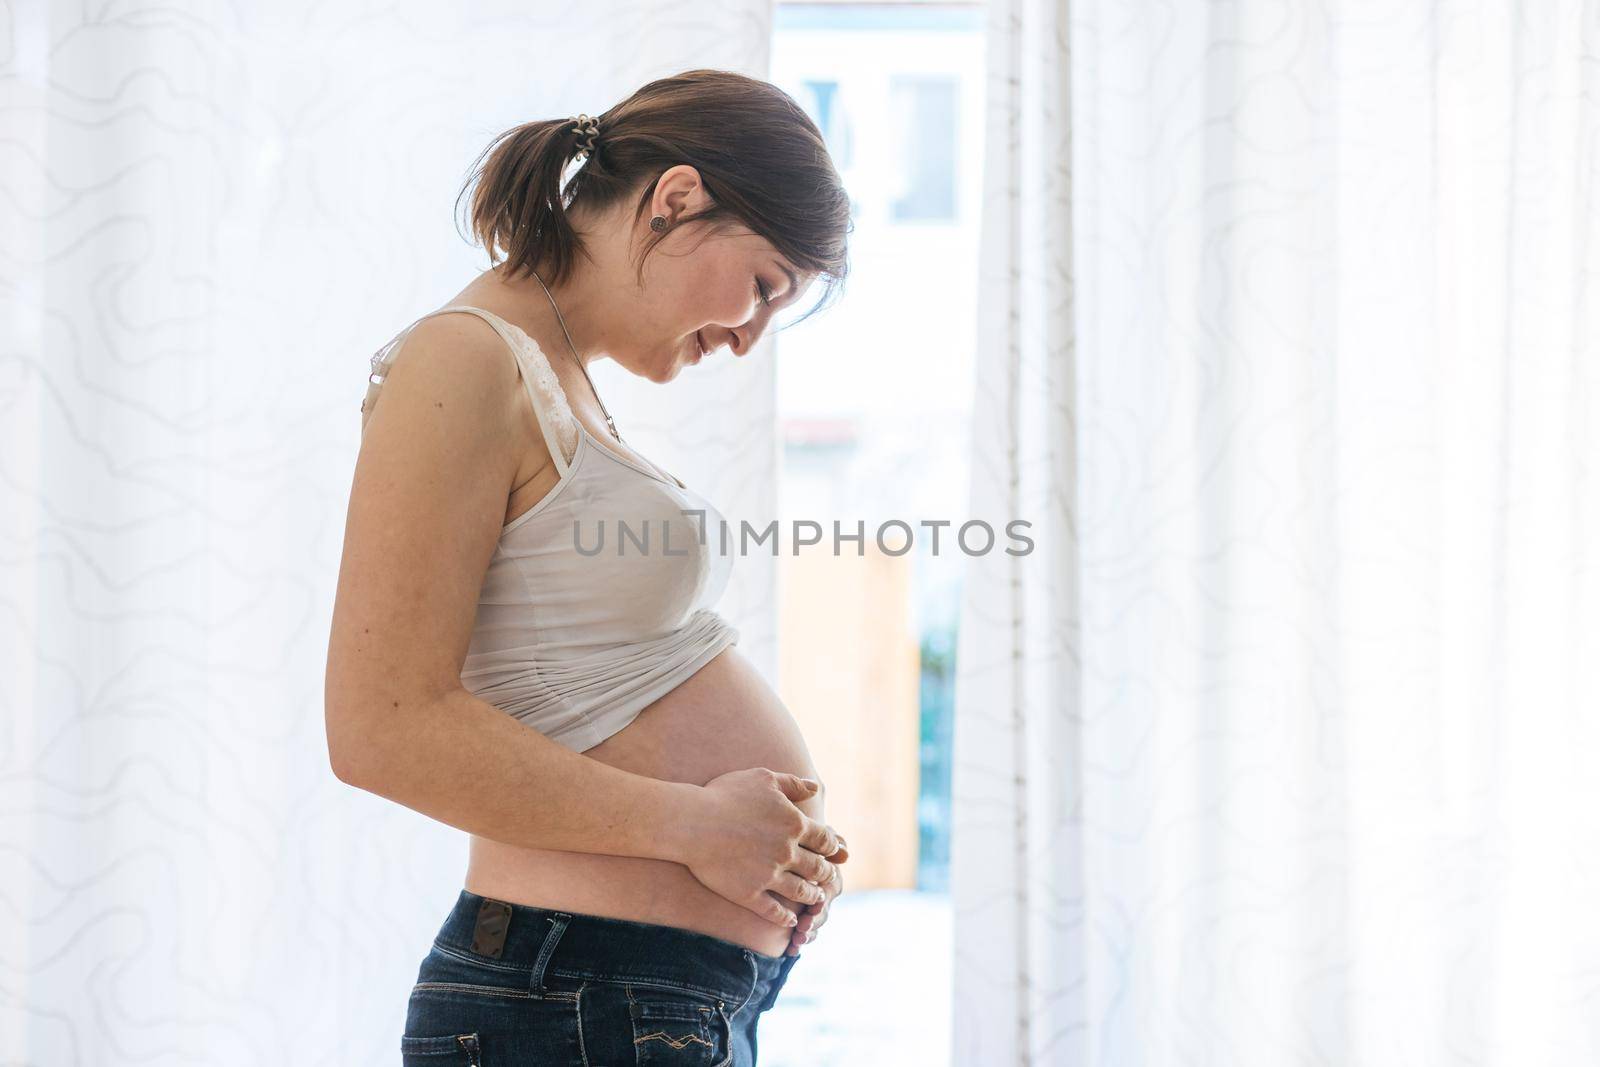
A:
(812, 916)
(751, 844)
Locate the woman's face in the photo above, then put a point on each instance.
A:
(717, 289)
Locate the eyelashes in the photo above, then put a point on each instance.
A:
(761, 292)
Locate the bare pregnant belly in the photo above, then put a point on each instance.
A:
(723, 718)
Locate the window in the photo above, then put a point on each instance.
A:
(875, 398)
(924, 123)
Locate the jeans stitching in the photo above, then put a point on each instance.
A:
(674, 1042)
(663, 983)
(558, 926)
(479, 961)
(495, 991)
(583, 1051)
(661, 1035)
(581, 974)
(727, 1033)
(755, 980)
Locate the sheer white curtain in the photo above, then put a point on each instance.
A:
(210, 217)
(1280, 748)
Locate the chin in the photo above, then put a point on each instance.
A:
(650, 372)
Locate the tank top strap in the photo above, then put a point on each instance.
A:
(550, 408)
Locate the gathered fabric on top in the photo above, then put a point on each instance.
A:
(598, 599)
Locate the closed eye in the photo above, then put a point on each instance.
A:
(761, 291)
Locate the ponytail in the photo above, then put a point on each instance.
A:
(761, 159)
(518, 208)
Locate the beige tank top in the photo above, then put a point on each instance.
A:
(598, 599)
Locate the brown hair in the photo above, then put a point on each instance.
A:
(761, 159)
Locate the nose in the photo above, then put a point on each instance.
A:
(739, 339)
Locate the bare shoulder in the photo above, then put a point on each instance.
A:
(460, 358)
(459, 353)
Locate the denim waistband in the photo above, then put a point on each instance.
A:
(546, 942)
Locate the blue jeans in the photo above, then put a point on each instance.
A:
(507, 984)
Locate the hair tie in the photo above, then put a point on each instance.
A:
(587, 130)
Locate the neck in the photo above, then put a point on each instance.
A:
(585, 299)
(526, 306)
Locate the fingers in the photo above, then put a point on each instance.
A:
(797, 788)
(841, 852)
(771, 909)
(819, 837)
(812, 916)
(805, 931)
(813, 868)
(798, 889)
(812, 919)
(838, 856)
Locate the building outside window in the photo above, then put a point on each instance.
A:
(875, 398)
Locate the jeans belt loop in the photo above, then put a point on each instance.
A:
(558, 925)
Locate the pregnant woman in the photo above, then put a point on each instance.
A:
(648, 851)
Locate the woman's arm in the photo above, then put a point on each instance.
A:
(467, 764)
(440, 453)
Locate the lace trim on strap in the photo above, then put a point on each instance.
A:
(380, 370)
(548, 387)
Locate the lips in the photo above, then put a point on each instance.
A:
(702, 346)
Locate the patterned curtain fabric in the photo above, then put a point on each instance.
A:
(211, 216)
(1280, 746)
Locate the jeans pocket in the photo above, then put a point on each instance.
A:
(445, 1050)
(676, 1028)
